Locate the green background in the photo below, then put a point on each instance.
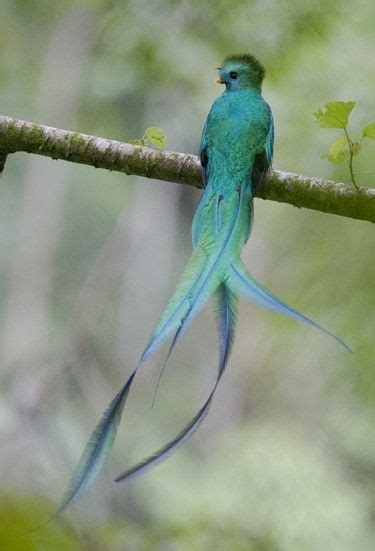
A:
(88, 259)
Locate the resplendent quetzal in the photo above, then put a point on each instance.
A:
(235, 154)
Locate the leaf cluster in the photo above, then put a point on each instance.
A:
(153, 135)
(335, 114)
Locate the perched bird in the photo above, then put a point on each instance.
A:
(235, 154)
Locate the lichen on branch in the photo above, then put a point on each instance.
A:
(294, 189)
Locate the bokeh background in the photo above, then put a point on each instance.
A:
(88, 259)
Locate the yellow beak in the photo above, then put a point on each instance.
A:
(219, 81)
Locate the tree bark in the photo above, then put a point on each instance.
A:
(286, 187)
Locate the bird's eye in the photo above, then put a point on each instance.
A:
(233, 75)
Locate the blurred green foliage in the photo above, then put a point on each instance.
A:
(88, 258)
(153, 135)
(336, 115)
(20, 515)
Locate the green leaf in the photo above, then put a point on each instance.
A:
(356, 148)
(369, 131)
(142, 141)
(338, 158)
(336, 114)
(153, 135)
(337, 145)
(336, 154)
(156, 136)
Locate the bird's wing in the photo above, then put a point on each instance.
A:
(263, 161)
(203, 155)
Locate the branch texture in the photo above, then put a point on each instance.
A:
(286, 187)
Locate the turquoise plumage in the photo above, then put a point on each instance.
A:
(235, 153)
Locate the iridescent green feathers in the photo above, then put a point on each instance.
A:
(248, 71)
(236, 152)
(247, 59)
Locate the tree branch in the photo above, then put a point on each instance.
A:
(300, 191)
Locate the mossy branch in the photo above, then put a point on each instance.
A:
(300, 191)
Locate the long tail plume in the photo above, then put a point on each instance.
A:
(226, 310)
(214, 269)
(243, 283)
(97, 448)
(200, 280)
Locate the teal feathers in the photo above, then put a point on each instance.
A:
(97, 448)
(235, 153)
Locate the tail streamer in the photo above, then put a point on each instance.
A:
(235, 153)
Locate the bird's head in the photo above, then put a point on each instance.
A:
(240, 72)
